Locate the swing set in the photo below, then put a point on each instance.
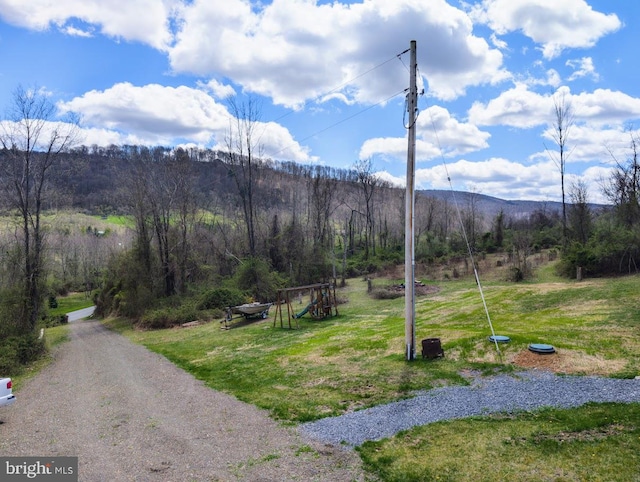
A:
(322, 303)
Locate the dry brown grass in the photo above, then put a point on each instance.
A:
(567, 361)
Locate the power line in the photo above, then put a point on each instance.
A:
(343, 120)
(337, 89)
(466, 238)
(344, 84)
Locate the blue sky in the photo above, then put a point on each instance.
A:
(330, 81)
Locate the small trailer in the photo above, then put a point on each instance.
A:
(246, 311)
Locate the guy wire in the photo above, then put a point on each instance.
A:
(466, 239)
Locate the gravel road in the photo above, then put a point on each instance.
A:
(129, 414)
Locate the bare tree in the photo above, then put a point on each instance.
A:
(321, 206)
(244, 155)
(164, 201)
(160, 198)
(135, 187)
(31, 141)
(368, 183)
(186, 207)
(562, 123)
(472, 220)
(580, 217)
(426, 207)
(623, 187)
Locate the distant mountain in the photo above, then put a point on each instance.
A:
(491, 206)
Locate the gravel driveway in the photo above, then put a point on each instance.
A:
(129, 414)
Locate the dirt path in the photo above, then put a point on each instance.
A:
(129, 414)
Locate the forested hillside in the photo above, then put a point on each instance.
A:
(162, 226)
(297, 218)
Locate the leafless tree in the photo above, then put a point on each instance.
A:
(134, 193)
(580, 216)
(161, 196)
(472, 220)
(31, 141)
(426, 208)
(562, 123)
(623, 186)
(244, 151)
(322, 191)
(186, 212)
(368, 182)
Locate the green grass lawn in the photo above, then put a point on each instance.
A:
(357, 360)
(591, 443)
(71, 302)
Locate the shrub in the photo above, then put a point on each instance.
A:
(129, 289)
(220, 298)
(8, 358)
(17, 351)
(167, 317)
(54, 320)
(359, 267)
(577, 255)
(256, 277)
(385, 294)
(515, 274)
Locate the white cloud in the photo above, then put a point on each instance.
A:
(104, 137)
(391, 179)
(152, 110)
(495, 177)
(293, 51)
(218, 90)
(505, 179)
(593, 177)
(438, 127)
(289, 50)
(62, 132)
(76, 32)
(605, 106)
(591, 144)
(523, 108)
(146, 21)
(553, 78)
(437, 134)
(499, 43)
(158, 115)
(582, 68)
(516, 107)
(277, 143)
(555, 25)
(389, 148)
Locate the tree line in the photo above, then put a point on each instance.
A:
(204, 219)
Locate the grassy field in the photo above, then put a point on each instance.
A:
(591, 443)
(71, 302)
(356, 360)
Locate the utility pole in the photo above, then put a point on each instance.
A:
(409, 256)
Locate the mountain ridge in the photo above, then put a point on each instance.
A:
(491, 205)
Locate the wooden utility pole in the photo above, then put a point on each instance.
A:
(409, 256)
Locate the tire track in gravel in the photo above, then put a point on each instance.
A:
(130, 414)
